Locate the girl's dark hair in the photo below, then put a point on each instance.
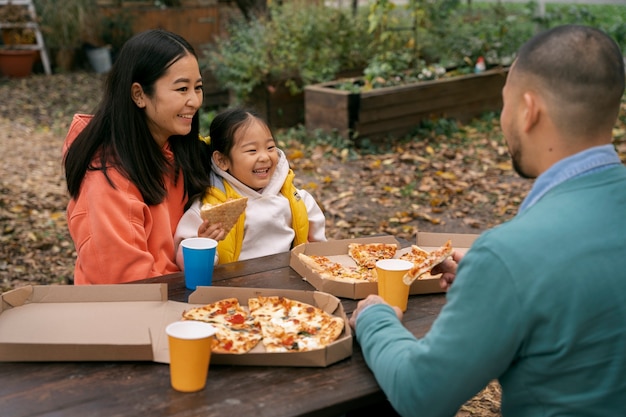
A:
(222, 132)
(118, 134)
(224, 127)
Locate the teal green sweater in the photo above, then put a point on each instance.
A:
(538, 303)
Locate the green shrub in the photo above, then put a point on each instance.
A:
(609, 18)
(297, 44)
(425, 40)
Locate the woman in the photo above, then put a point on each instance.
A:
(131, 168)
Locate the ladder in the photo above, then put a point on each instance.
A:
(34, 26)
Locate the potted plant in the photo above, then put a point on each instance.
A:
(17, 55)
(266, 60)
(66, 26)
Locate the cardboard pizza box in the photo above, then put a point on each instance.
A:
(127, 323)
(86, 323)
(337, 250)
(338, 350)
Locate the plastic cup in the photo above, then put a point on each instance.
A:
(198, 259)
(190, 345)
(390, 285)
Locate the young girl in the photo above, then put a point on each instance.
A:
(245, 162)
(132, 166)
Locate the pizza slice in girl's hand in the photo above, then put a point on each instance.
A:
(366, 254)
(237, 331)
(435, 257)
(226, 213)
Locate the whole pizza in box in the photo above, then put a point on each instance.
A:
(272, 326)
(281, 324)
(365, 256)
(347, 268)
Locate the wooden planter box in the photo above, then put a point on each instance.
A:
(277, 106)
(396, 111)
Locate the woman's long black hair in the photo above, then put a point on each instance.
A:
(118, 134)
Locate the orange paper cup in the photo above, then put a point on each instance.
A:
(390, 285)
(190, 345)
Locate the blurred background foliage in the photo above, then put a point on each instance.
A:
(299, 43)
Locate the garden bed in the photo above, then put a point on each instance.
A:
(397, 110)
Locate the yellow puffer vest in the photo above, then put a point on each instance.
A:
(229, 249)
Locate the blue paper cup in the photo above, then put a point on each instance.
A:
(199, 260)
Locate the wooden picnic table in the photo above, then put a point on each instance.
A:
(143, 388)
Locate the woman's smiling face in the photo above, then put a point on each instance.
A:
(254, 156)
(176, 99)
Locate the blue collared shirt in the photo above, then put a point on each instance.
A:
(591, 160)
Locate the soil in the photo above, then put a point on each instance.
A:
(446, 178)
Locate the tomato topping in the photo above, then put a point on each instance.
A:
(228, 345)
(236, 319)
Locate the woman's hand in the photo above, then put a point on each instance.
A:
(448, 270)
(213, 231)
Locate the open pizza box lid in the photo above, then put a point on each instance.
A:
(336, 351)
(337, 250)
(87, 323)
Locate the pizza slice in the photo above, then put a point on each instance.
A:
(366, 254)
(237, 331)
(293, 326)
(435, 257)
(328, 269)
(415, 255)
(226, 213)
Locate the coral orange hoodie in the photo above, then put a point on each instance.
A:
(118, 237)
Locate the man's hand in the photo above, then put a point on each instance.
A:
(370, 300)
(448, 270)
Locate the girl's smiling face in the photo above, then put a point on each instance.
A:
(176, 99)
(254, 156)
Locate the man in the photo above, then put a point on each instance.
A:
(538, 302)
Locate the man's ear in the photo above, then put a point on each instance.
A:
(532, 111)
(136, 93)
(221, 161)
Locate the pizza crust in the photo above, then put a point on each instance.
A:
(226, 213)
(237, 331)
(434, 258)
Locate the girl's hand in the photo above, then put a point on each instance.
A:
(213, 231)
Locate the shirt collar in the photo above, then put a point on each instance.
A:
(581, 163)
